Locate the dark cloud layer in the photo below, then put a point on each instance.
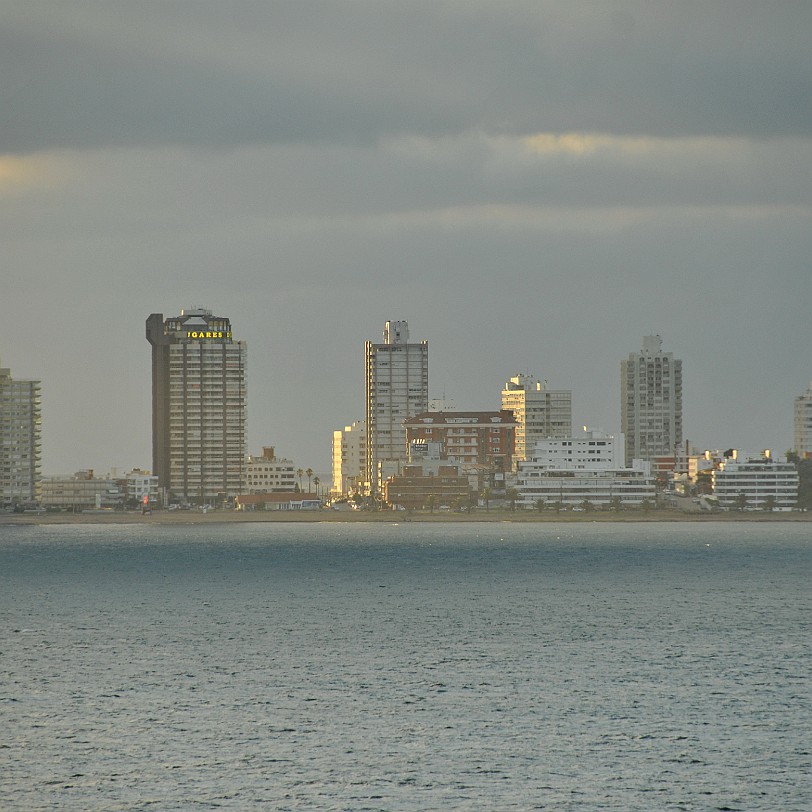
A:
(81, 75)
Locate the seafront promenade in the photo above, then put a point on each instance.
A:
(187, 517)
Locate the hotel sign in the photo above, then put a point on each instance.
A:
(207, 334)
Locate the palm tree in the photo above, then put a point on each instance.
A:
(309, 473)
(316, 482)
(300, 474)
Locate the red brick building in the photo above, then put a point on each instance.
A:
(473, 440)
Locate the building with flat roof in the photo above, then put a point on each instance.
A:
(540, 412)
(20, 430)
(803, 424)
(349, 458)
(267, 473)
(651, 402)
(575, 471)
(397, 387)
(198, 406)
(757, 482)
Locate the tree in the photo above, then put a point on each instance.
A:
(511, 494)
(309, 473)
(615, 504)
(769, 503)
(485, 495)
(741, 501)
(300, 474)
(316, 482)
(432, 500)
(540, 503)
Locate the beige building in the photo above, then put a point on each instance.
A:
(268, 473)
(82, 491)
(20, 427)
(349, 458)
(540, 412)
(397, 387)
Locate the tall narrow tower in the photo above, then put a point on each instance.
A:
(651, 402)
(19, 440)
(198, 406)
(540, 412)
(803, 424)
(397, 387)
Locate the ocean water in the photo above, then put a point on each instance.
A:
(406, 667)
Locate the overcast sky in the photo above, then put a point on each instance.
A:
(533, 186)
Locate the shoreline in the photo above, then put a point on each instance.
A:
(389, 517)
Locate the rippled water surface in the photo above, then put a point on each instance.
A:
(406, 667)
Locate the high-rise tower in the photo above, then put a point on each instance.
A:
(198, 406)
(651, 402)
(397, 387)
(803, 424)
(540, 412)
(19, 440)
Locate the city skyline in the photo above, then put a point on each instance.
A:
(597, 173)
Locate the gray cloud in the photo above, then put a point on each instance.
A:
(96, 74)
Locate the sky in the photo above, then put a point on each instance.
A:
(533, 186)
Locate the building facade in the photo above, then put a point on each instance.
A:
(198, 406)
(651, 402)
(578, 471)
(539, 412)
(268, 473)
(20, 431)
(757, 483)
(82, 491)
(349, 458)
(472, 440)
(397, 387)
(803, 424)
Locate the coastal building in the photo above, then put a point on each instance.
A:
(803, 424)
(20, 427)
(140, 487)
(268, 473)
(349, 458)
(480, 443)
(758, 482)
(198, 406)
(426, 480)
(82, 491)
(578, 471)
(540, 412)
(397, 387)
(651, 402)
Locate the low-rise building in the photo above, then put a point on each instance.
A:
(295, 500)
(756, 483)
(574, 471)
(268, 473)
(140, 487)
(82, 491)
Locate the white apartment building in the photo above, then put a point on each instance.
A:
(803, 424)
(540, 412)
(198, 406)
(269, 474)
(20, 427)
(349, 458)
(651, 402)
(575, 470)
(757, 483)
(397, 387)
(142, 487)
